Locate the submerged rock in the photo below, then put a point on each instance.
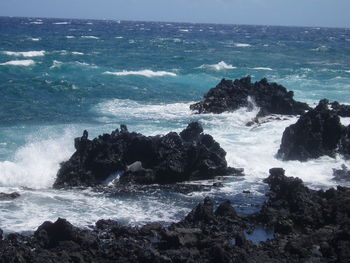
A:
(5, 196)
(229, 95)
(342, 174)
(316, 133)
(138, 159)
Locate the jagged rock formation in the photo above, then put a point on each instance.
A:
(138, 159)
(230, 95)
(309, 226)
(318, 132)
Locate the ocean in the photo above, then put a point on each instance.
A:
(59, 77)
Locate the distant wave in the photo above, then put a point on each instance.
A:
(219, 66)
(36, 23)
(262, 68)
(147, 73)
(56, 64)
(89, 37)
(70, 37)
(120, 37)
(27, 54)
(34, 39)
(77, 53)
(24, 63)
(242, 45)
(321, 49)
(184, 30)
(61, 23)
(348, 71)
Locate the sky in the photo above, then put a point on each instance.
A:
(325, 13)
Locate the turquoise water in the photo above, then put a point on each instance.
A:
(59, 77)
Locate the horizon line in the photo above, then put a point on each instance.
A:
(182, 22)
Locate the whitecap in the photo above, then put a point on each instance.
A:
(77, 53)
(219, 66)
(89, 37)
(262, 68)
(24, 63)
(321, 49)
(56, 64)
(119, 37)
(146, 73)
(27, 54)
(61, 23)
(184, 30)
(34, 39)
(347, 71)
(69, 37)
(242, 45)
(36, 23)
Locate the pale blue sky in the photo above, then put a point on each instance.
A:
(332, 13)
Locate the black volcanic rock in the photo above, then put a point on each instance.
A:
(229, 95)
(138, 159)
(316, 133)
(344, 144)
(308, 225)
(341, 109)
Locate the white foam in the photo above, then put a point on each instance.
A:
(347, 71)
(36, 163)
(56, 64)
(27, 54)
(24, 63)
(89, 37)
(184, 30)
(61, 23)
(147, 73)
(120, 37)
(242, 45)
(219, 66)
(321, 49)
(36, 23)
(262, 68)
(34, 39)
(77, 53)
(69, 37)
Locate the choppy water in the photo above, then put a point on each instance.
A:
(59, 77)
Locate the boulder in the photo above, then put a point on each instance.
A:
(341, 109)
(229, 95)
(138, 159)
(316, 133)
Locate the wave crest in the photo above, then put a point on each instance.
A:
(219, 66)
(27, 54)
(146, 73)
(24, 63)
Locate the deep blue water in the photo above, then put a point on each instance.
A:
(61, 76)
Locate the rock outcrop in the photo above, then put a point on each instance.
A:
(138, 159)
(229, 95)
(342, 174)
(341, 109)
(6, 196)
(309, 226)
(318, 132)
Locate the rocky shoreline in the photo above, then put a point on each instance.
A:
(307, 226)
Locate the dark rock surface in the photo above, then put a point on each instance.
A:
(230, 95)
(318, 132)
(309, 226)
(6, 196)
(137, 159)
(341, 109)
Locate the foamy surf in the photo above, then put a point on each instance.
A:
(89, 37)
(23, 63)
(242, 45)
(219, 66)
(146, 73)
(27, 54)
(61, 23)
(263, 68)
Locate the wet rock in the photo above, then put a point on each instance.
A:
(344, 144)
(5, 196)
(230, 95)
(341, 109)
(1, 233)
(342, 174)
(316, 133)
(190, 155)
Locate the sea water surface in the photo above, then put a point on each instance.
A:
(61, 76)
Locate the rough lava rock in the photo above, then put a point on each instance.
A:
(318, 132)
(229, 95)
(342, 174)
(138, 159)
(309, 226)
(341, 109)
